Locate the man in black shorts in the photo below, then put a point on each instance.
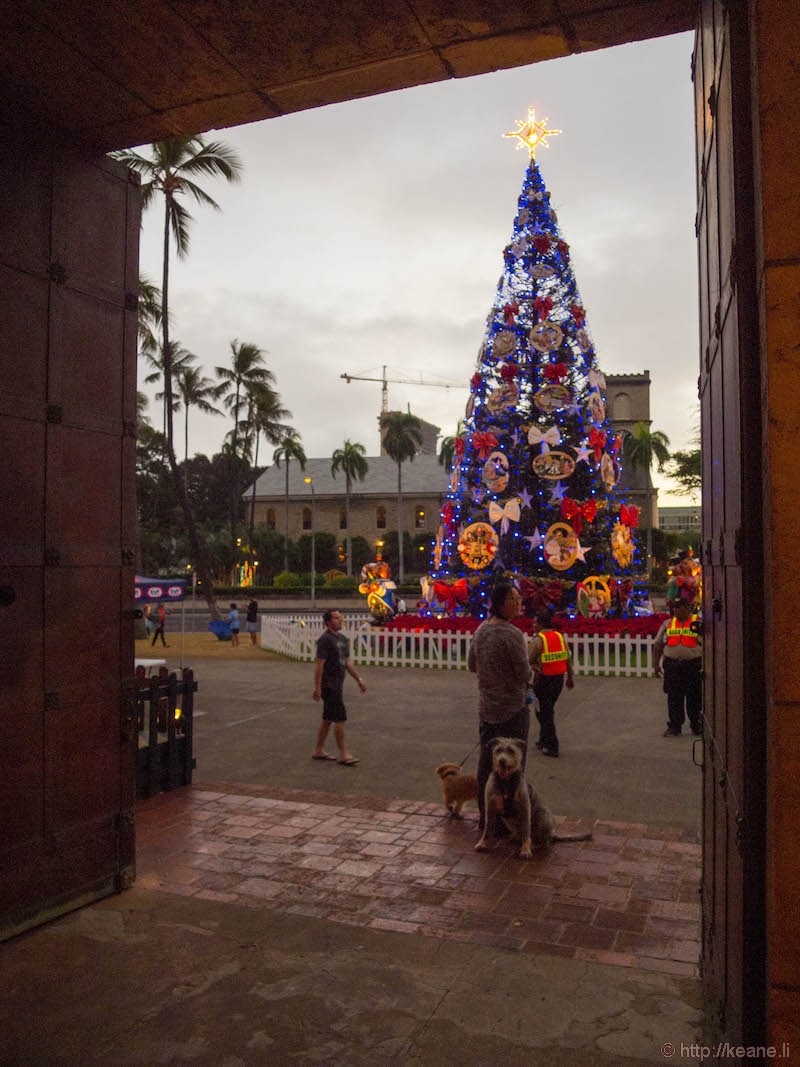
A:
(333, 659)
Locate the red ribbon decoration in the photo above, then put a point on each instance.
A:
(459, 447)
(509, 312)
(509, 372)
(578, 314)
(554, 372)
(475, 381)
(563, 248)
(597, 441)
(629, 516)
(617, 445)
(542, 243)
(575, 512)
(448, 515)
(544, 305)
(484, 443)
(451, 595)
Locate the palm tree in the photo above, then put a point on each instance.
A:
(149, 314)
(289, 449)
(247, 369)
(197, 392)
(402, 436)
(350, 459)
(264, 415)
(170, 170)
(180, 359)
(642, 448)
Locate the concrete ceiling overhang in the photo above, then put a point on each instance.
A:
(116, 73)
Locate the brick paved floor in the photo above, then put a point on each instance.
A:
(628, 897)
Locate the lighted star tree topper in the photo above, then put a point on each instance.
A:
(534, 487)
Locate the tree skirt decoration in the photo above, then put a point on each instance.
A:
(647, 626)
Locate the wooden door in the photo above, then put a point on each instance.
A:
(733, 573)
(68, 276)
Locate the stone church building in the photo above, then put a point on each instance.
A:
(373, 502)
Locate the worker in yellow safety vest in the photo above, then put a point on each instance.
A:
(552, 666)
(679, 646)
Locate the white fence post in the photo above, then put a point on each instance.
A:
(295, 635)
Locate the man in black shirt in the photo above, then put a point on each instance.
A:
(333, 660)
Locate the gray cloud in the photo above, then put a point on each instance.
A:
(371, 233)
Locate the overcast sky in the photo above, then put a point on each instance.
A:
(372, 232)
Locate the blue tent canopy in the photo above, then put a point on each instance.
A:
(158, 590)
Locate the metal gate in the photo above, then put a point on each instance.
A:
(734, 782)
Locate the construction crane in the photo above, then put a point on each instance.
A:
(395, 381)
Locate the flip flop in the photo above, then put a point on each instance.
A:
(325, 756)
(348, 762)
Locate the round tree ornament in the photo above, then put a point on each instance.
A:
(593, 597)
(552, 398)
(546, 336)
(495, 473)
(607, 471)
(597, 408)
(622, 544)
(504, 344)
(505, 396)
(560, 546)
(478, 545)
(553, 465)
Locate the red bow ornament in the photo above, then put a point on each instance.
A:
(578, 314)
(597, 441)
(542, 243)
(563, 248)
(484, 443)
(616, 445)
(510, 311)
(629, 516)
(554, 372)
(509, 372)
(575, 512)
(475, 381)
(448, 515)
(543, 305)
(451, 595)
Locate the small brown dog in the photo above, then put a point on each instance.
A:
(457, 788)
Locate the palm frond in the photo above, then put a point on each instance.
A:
(179, 219)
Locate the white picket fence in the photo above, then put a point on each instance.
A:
(295, 636)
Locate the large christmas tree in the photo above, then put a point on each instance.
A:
(533, 490)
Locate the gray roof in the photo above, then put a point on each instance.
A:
(424, 474)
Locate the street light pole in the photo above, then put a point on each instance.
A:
(310, 482)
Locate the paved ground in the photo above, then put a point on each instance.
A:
(318, 914)
(257, 722)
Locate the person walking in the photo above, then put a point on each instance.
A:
(552, 666)
(680, 645)
(161, 619)
(333, 661)
(233, 622)
(499, 657)
(148, 620)
(251, 622)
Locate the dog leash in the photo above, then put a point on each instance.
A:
(464, 760)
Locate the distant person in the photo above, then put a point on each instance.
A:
(499, 657)
(148, 620)
(161, 619)
(251, 622)
(680, 644)
(333, 661)
(552, 667)
(233, 622)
